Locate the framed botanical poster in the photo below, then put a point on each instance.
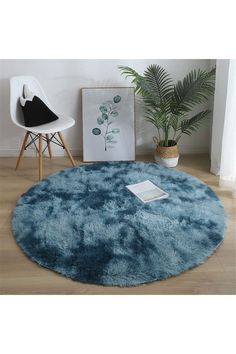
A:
(108, 124)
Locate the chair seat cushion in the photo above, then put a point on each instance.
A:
(36, 111)
(57, 126)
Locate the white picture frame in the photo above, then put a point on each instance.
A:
(108, 124)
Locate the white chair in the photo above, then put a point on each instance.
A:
(41, 132)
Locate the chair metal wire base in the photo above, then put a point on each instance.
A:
(53, 139)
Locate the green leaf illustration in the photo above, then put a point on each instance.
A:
(115, 130)
(117, 99)
(114, 113)
(109, 137)
(100, 120)
(103, 109)
(104, 116)
(108, 110)
(96, 131)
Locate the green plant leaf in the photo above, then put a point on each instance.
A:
(115, 130)
(166, 104)
(188, 126)
(114, 114)
(104, 116)
(157, 118)
(96, 131)
(103, 109)
(194, 89)
(109, 137)
(157, 84)
(100, 120)
(117, 99)
(129, 72)
(175, 121)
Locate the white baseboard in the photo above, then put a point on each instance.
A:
(15, 153)
(215, 169)
(76, 152)
(32, 153)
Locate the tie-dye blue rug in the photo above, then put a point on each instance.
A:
(85, 224)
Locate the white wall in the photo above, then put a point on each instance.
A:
(222, 72)
(62, 81)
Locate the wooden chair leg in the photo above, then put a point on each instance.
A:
(66, 148)
(49, 146)
(40, 157)
(22, 150)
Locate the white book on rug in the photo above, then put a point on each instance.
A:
(147, 191)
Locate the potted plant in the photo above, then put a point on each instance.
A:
(168, 105)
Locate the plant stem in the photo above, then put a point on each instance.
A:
(159, 134)
(108, 114)
(174, 135)
(105, 136)
(166, 135)
(178, 137)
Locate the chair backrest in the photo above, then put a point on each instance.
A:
(16, 91)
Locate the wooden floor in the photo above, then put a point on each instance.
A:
(19, 275)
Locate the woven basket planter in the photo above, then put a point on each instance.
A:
(167, 156)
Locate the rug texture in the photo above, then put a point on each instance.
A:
(85, 224)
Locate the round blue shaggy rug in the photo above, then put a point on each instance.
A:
(85, 224)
